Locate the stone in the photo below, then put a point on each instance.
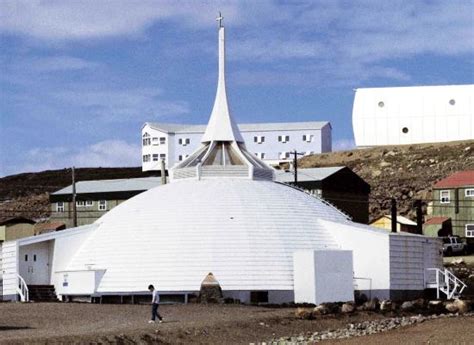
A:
(360, 298)
(304, 313)
(385, 164)
(462, 306)
(376, 173)
(419, 303)
(371, 305)
(451, 307)
(321, 309)
(386, 305)
(348, 307)
(210, 291)
(407, 306)
(459, 261)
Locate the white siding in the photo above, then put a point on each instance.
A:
(410, 256)
(10, 267)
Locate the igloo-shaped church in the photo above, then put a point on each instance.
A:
(223, 213)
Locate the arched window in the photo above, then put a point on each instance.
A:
(146, 140)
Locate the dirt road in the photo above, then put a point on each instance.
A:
(185, 324)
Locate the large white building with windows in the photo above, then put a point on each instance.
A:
(271, 142)
(413, 115)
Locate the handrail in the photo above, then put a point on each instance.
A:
(22, 289)
(447, 283)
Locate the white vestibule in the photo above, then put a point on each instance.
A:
(223, 213)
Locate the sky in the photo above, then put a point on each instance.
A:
(78, 79)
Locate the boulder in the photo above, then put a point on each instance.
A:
(462, 306)
(360, 298)
(348, 307)
(371, 305)
(419, 303)
(407, 306)
(386, 305)
(451, 307)
(321, 309)
(304, 313)
(210, 291)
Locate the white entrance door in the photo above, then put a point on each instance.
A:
(34, 263)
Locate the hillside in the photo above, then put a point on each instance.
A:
(27, 194)
(403, 172)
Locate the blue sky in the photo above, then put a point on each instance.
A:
(79, 78)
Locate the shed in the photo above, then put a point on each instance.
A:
(403, 224)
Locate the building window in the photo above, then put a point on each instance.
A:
(146, 158)
(469, 230)
(26, 257)
(283, 138)
(445, 197)
(405, 130)
(102, 205)
(469, 193)
(162, 140)
(260, 155)
(89, 203)
(162, 155)
(381, 104)
(452, 102)
(146, 139)
(284, 155)
(184, 141)
(82, 203)
(180, 158)
(154, 141)
(155, 157)
(34, 257)
(259, 139)
(60, 206)
(308, 138)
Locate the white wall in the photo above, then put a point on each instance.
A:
(370, 250)
(380, 114)
(10, 269)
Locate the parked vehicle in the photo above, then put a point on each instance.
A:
(453, 245)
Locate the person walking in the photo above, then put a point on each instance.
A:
(155, 301)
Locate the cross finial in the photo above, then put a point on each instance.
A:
(219, 19)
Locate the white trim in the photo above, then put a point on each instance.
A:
(469, 193)
(445, 200)
(60, 208)
(102, 205)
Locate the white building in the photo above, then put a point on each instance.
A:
(223, 213)
(412, 115)
(271, 142)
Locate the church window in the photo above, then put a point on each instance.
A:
(102, 205)
(452, 102)
(162, 155)
(162, 140)
(405, 130)
(259, 139)
(307, 137)
(155, 157)
(381, 104)
(283, 138)
(146, 158)
(60, 206)
(154, 141)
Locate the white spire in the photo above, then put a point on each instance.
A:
(221, 126)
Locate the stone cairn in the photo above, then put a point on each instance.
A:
(210, 291)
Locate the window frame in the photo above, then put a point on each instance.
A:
(102, 205)
(468, 232)
(162, 140)
(444, 200)
(155, 155)
(60, 208)
(146, 139)
(469, 192)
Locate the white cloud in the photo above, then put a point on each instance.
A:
(60, 63)
(108, 153)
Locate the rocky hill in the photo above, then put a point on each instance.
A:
(27, 194)
(405, 173)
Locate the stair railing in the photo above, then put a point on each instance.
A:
(22, 289)
(447, 283)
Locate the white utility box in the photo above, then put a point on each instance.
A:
(323, 276)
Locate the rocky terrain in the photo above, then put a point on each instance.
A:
(405, 173)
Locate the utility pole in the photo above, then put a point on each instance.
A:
(74, 210)
(419, 217)
(163, 172)
(295, 165)
(394, 215)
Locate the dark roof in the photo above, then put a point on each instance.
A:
(54, 225)
(456, 180)
(16, 220)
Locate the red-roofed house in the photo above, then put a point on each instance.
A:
(454, 198)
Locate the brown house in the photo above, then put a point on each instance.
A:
(16, 227)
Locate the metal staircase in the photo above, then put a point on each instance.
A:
(443, 280)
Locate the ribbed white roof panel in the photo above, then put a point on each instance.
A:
(243, 231)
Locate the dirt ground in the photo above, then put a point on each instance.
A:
(55, 323)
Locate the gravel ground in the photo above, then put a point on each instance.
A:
(55, 323)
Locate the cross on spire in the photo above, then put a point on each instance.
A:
(219, 19)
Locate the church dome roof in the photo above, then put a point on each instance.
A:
(243, 231)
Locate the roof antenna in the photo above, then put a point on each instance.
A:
(219, 19)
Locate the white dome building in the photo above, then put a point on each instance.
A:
(223, 213)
